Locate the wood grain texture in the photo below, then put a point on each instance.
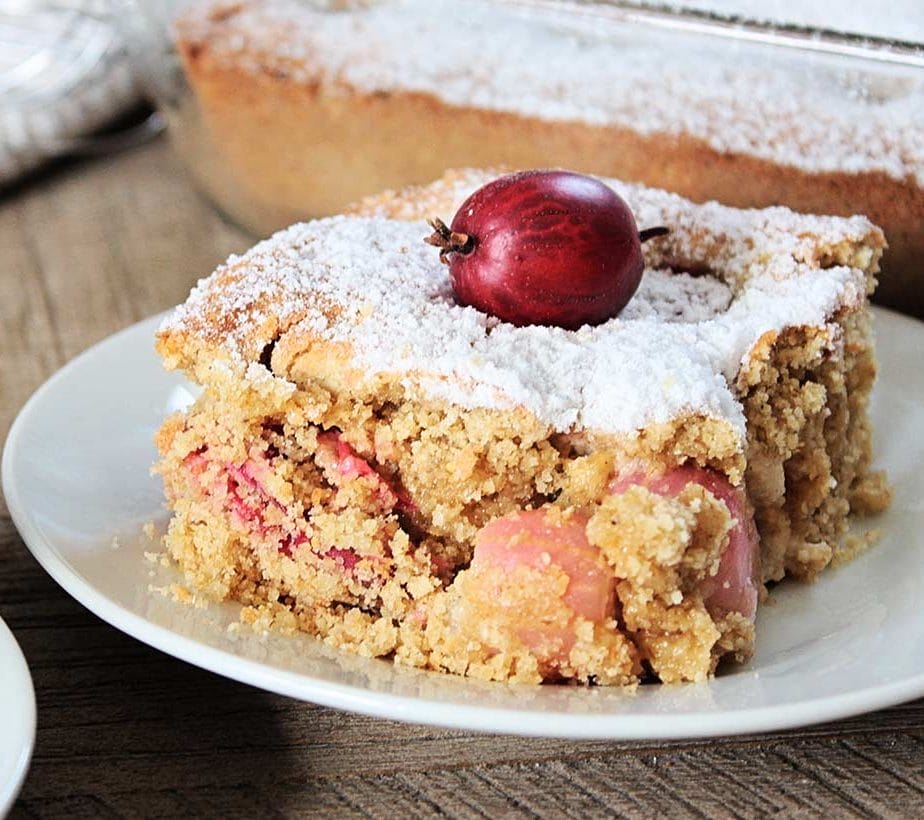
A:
(125, 731)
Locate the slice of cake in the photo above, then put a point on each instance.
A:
(297, 109)
(408, 478)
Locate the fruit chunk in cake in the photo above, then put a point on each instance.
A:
(415, 479)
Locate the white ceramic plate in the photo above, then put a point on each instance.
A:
(17, 719)
(75, 474)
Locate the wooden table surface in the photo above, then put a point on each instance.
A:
(125, 731)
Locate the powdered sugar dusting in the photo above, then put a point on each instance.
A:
(756, 104)
(371, 281)
(670, 296)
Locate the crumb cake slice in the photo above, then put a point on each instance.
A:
(408, 478)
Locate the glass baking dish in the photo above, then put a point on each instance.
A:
(286, 110)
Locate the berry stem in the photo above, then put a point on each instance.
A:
(652, 233)
(448, 241)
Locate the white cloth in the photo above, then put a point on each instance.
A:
(63, 74)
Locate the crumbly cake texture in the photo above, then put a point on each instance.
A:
(366, 454)
(302, 110)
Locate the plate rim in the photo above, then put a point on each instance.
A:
(10, 789)
(406, 708)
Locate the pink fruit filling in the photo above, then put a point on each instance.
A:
(735, 586)
(539, 541)
(347, 464)
(248, 499)
(529, 538)
(348, 559)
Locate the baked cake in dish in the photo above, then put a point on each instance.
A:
(297, 110)
(407, 478)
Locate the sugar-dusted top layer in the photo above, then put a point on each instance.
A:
(370, 280)
(815, 116)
